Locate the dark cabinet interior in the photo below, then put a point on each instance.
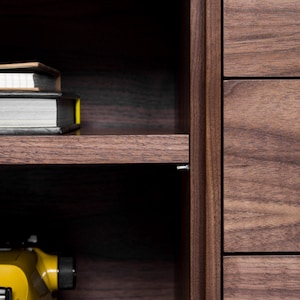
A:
(126, 224)
(121, 222)
(122, 57)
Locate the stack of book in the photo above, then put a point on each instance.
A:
(32, 102)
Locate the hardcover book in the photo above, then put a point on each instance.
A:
(29, 76)
(29, 113)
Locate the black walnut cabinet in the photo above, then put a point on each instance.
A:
(135, 194)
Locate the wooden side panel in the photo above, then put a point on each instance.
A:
(261, 165)
(197, 150)
(261, 38)
(258, 277)
(213, 150)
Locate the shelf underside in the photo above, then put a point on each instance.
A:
(94, 149)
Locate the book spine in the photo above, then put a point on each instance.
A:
(77, 111)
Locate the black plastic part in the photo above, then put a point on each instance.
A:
(66, 273)
(5, 293)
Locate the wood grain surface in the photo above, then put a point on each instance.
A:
(261, 165)
(261, 38)
(262, 277)
(114, 280)
(197, 151)
(133, 99)
(213, 149)
(104, 149)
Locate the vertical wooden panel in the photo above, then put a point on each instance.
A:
(213, 149)
(197, 149)
(261, 165)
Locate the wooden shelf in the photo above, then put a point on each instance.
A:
(135, 280)
(94, 149)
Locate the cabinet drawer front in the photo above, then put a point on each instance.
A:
(261, 165)
(259, 277)
(261, 38)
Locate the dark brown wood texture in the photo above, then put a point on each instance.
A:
(262, 277)
(132, 99)
(93, 149)
(197, 151)
(111, 280)
(261, 38)
(261, 165)
(213, 150)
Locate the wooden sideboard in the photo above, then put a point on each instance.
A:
(183, 182)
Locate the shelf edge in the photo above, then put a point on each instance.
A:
(94, 149)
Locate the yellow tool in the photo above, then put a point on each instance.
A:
(31, 274)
